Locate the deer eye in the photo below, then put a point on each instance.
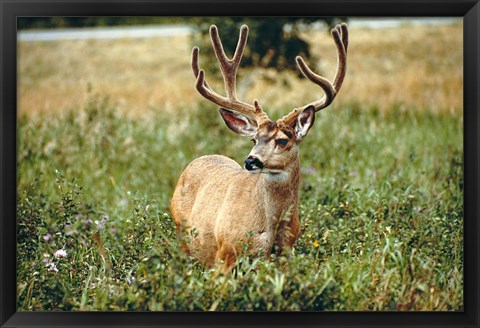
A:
(281, 142)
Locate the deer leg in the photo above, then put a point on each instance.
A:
(287, 234)
(226, 259)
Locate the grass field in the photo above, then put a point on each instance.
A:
(106, 128)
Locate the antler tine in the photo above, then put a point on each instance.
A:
(344, 33)
(228, 66)
(196, 67)
(221, 101)
(319, 80)
(229, 69)
(340, 36)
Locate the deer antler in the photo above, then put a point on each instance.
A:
(229, 69)
(340, 36)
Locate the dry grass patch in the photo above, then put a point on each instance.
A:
(411, 66)
(135, 73)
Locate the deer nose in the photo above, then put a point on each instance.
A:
(252, 163)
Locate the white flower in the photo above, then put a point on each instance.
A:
(49, 264)
(52, 267)
(60, 253)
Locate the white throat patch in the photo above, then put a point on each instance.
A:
(275, 175)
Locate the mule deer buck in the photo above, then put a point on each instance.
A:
(219, 205)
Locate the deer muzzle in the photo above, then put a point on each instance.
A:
(253, 163)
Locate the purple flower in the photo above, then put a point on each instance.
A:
(101, 224)
(113, 230)
(69, 229)
(47, 237)
(87, 222)
(308, 170)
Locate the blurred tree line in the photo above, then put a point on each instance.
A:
(272, 42)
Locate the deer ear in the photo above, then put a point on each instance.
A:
(304, 122)
(238, 123)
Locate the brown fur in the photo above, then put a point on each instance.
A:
(220, 206)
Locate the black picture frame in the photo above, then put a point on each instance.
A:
(468, 9)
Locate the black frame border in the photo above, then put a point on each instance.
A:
(10, 9)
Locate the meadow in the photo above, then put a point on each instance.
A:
(106, 127)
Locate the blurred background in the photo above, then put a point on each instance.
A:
(414, 63)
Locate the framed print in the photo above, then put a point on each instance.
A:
(219, 163)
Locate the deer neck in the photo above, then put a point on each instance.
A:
(280, 190)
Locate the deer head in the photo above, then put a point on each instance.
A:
(275, 142)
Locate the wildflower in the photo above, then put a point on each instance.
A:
(60, 253)
(69, 229)
(113, 230)
(101, 224)
(49, 264)
(87, 222)
(308, 170)
(316, 243)
(52, 267)
(47, 237)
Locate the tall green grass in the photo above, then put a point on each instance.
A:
(381, 205)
